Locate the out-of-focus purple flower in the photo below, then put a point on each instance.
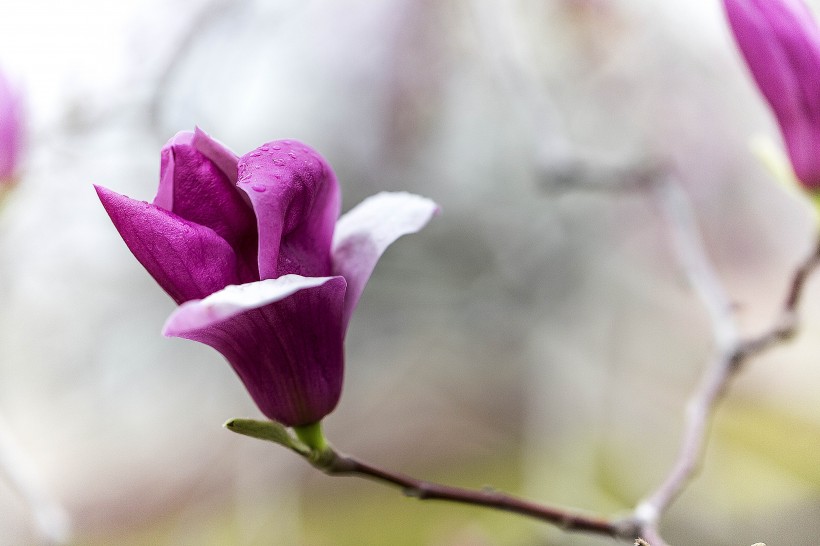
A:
(11, 130)
(264, 273)
(781, 44)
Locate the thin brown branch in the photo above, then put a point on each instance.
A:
(567, 519)
(786, 326)
(730, 354)
(642, 526)
(799, 280)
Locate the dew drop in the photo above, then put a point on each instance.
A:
(258, 188)
(276, 147)
(279, 162)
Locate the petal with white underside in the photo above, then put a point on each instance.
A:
(283, 337)
(217, 152)
(233, 300)
(364, 233)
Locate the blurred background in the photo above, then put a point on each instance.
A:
(539, 336)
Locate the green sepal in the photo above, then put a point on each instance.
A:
(270, 431)
(815, 201)
(5, 190)
(321, 454)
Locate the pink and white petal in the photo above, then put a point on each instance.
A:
(217, 152)
(233, 300)
(286, 349)
(188, 261)
(364, 233)
(165, 193)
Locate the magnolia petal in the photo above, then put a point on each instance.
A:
(283, 337)
(164, 198)
(196, 187)
(781, 44)
(217, 152)
(213, 150)
(188, 261)
(363, 234)
(235, 299)
(295, 196)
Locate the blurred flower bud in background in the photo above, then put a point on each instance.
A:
(11, 130)
(781, 44)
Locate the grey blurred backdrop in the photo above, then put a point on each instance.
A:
(539, 336)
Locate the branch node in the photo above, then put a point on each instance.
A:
(412, 492)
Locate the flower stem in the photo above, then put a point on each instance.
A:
(567, 519)
(313, 437)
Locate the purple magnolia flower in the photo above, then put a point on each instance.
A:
(781, 44)
(11, 130)
(252, 250)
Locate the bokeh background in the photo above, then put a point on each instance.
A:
(539, 336)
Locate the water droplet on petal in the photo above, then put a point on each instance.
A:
(258, 187)
(279, 162)
(276, 147)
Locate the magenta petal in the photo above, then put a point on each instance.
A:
(188, 261)
(295, 196)
(781, 44)
(365, 232)
(282, 336)
(196, 188)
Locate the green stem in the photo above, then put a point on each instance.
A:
(312, 436)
